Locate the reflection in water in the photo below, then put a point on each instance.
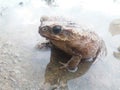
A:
(57, 78)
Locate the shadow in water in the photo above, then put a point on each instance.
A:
(56, 77)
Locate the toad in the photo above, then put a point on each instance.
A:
(75, 40)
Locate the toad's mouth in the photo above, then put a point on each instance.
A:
(49, 37)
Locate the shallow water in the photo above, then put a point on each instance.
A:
(19, 25)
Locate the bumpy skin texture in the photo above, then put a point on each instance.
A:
(75, 40)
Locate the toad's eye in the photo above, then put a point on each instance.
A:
(45, 28)
(56, 29)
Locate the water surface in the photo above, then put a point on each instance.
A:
(19, 21)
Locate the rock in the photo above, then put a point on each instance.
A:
(115, 27)
(116, 55)
(119, 48)
(20, 3)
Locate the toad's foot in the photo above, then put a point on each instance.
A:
(72, 64)
(89, 60)
(45, 45)
(66, 66)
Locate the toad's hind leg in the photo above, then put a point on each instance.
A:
(72, 64)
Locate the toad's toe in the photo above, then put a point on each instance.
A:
(72, 69)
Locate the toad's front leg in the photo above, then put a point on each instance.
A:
(45, 45)
(72, 64)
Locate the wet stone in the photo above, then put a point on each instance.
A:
(117, 55)
(115, 27)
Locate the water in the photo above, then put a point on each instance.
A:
(19, 21)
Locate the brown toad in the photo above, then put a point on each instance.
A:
(75, 40)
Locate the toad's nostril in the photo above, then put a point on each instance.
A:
(56, 29)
